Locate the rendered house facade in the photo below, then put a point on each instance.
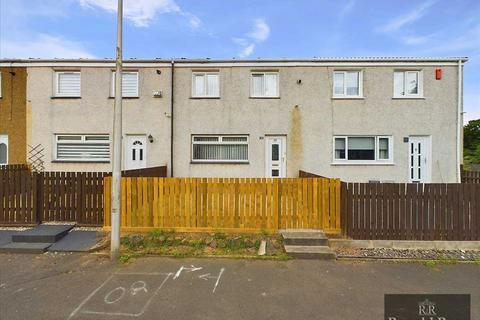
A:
(358, 119)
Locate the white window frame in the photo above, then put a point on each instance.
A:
(82, 140)
(57, 93)
(205, 74)
(364, 162)
(418, 95)
(264, 73)
(112, 84)
(344, 95)
(4, 139)
(220, 142)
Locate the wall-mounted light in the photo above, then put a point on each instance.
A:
(299, 81)
(150, 138)
(159, 71)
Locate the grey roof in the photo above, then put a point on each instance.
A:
(207, 60)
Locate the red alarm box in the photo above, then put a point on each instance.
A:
(438, 74)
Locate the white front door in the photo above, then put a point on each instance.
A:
(419, 159)
(135, 152)
(3, 149)
(276, 155)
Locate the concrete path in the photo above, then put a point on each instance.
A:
(83, 286)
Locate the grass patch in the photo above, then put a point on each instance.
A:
(430, 263)
(169, 243)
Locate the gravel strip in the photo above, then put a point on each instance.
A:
(15, 228)
(58, 222)
(387, 253)
(98, 229)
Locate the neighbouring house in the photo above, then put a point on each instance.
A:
(13, 114)
(358, 119)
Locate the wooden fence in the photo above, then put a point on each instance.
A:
(411, 211)
(14, 167)
(30, 198)
(470, 176)
(17, 197)
(228, 204)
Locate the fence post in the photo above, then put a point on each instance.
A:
(39, 186)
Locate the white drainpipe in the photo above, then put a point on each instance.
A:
(459, 119)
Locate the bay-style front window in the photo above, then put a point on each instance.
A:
(228, 148)
(363, 149)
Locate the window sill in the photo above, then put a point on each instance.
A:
(80, 161)
(408, 98)
(196, 98)
(65, 97)
(348, 98)
(362, 163)
(137, 97)
(252, 97)
(219, 162)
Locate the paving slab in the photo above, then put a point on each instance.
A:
(6, 236)
(25, 247)
(76, 241)
(43, 233)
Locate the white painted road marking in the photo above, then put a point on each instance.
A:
(130, 296)
(192, 269)
(208, 276)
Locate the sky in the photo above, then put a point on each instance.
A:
(248, 29)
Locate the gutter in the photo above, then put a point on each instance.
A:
(459, 120)
(172, 78)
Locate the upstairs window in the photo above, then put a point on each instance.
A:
(347, 84)
(220, 148)
(82, 147)
(67, 84)
(407, 84)
(264, 84)
(205, 84)
(363, 149)
(129, 84)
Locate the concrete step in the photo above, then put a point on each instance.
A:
(43, 233)
(311, 252)
(25, 247)
(304, 238)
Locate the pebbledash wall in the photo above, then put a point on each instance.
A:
(305, 113)
(92, 113)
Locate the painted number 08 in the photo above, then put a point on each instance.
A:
(118, 293)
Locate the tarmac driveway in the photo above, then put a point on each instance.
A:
(85, 286)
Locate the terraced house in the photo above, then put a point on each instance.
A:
(359, 119)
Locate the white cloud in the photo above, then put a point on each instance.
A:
(142, 12)
(408, 18)
(44, 46)
(261, 30)
(259, 33)
(415, 40)
(247, 51)
(347, 8)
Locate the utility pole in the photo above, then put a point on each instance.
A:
(117, 141)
